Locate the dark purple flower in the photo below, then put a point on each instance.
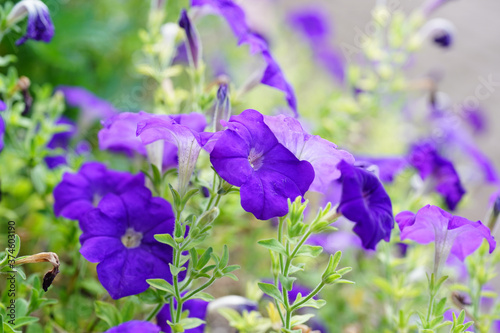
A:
(120, 134)
(495, 203)
(193, 41)
(313, 25)
(450, 233)
(222, 106)
(2, 131)
(197, 309)
(235, 17)
(443, 39)
(476, 118)
(441, 173)
(3, 106)
(135, 326)
(40, 26)
(365, 202)
(60, 140)
(322, 154)
(248, 155)
(388, 167)
(78, 193)
(92, 107)
(119, 235)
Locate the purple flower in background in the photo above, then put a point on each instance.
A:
(248, 155)
(442, 174)
(92, 107)
(322, 154)
(441, 31)
(313, 25)
(2, 131)
(451, 234)
(197, 309)
(135, 326)
(78, 193)
(193, 41)
(40, 26)
(119, 134)
(431, 5)
(3, 106)
(187, 140)
(119, 235)
(235, 17)
(365, 202)
(60, 140)
(476, 118)
(388, 167)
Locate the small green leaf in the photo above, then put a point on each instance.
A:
(310, 251)
(17, 245)
(108, 313)
(273, 245)
(314, 303)
(287, 282)
(166, 239)
(188, 323)
(22, 321)
(230, 269)
(271, 290)
(225, 258)
(204, 296)
(176, 270)
(162, 285)
(204, 259)
(301, 319)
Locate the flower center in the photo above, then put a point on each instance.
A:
(255, 159)
(132, 238)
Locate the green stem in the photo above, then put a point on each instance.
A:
(200, 289)
(308, 297)
(154, 312)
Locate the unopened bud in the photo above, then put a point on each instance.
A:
(208, 217)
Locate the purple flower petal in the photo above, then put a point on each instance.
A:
(40, 26)
(78, 193)
(193, 41)
(92, 107)
(388, 167)
(60, 140)
(2, 131)
(197, 309)
(3, 106)
(322, 154)
(135, 326)
(365, 202)
(248, 155)
(451, 233)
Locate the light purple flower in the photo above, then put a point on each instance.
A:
(451, 234)
(2, 131)
(197, 309)
(120, 133)
(3, 106)
(388, 167)
(135, 326)
(476, 118)
(193, 44)
(365, 202)
(235, 17)
(78, 193)
(248, 155)
(91, 106)
(431, 5)
(60, 140)
(119, 235)
(40, 26)
(322, 154)
(187, 141)
(440, 171)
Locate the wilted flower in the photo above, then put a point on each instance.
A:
(451, 234)
(193, 41)
(60, 140)
(78, 193)
(119, 235)
(40, 26)
(365, 202)
(197, 309)
(440, 171)
(322, 154)
(248, 155)
(135, 326)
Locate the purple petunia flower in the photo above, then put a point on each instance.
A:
(193, 44)
(388, 167)
(120, 133)
(119, 235)
(476, 118)
(313, 25)
(3, 106)
(322, 154)
(197, 309)
(60, 140)
(441, 31)
(235, 16)
(451, 234)
(92, 107)
(444, 178)
(365, 202)
(248, 155)
(2, 131)
(171, 130)
(78, 193)
(135, 326)
(40, 26)
(431, 5)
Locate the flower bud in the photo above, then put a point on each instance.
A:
(193, 41)
(208, 217)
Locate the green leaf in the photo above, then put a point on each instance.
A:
(224, 259)
(108, 313)
(128, 309)
(176, 270)
(344, 270)
(188, 323)
(310, 251)
(287, 282)
(204, 259)
(314, 303)
(271, 290)
(17, 245)
(162, 285)
(188, 196)
(332, 264)
(231, 276)
(166, 239)
(204, 296)
(273, 245)
(22, 321)
(296, 268)
(301, 319)
(230, 269)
